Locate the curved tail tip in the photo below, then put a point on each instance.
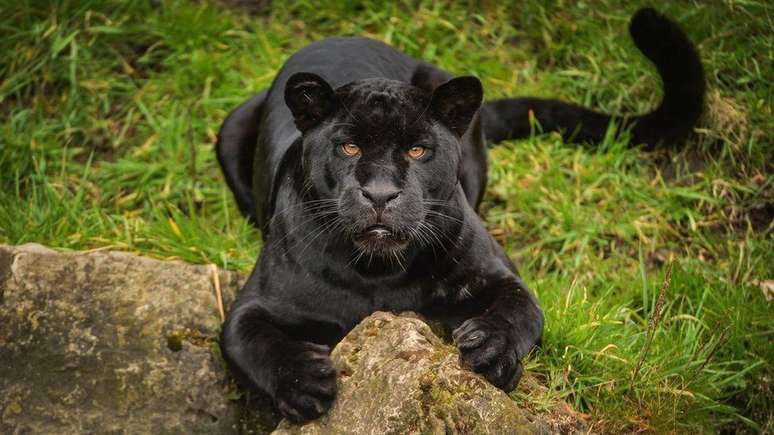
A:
(653, 33)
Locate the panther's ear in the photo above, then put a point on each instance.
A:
(429, 77)
(310, 99)
(456, 102)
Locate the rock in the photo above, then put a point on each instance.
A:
(396, 376)
(110, 342)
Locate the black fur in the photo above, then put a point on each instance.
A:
(236, 148)
(364, 168)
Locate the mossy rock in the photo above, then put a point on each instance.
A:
(395, 376)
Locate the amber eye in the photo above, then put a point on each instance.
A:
(416, 152)
(350, 149)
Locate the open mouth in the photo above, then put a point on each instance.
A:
(380, 238)
(377, 232)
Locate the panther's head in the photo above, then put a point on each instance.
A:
(381, 154)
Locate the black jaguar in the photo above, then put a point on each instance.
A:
(364, 169)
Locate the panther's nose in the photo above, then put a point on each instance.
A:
(379, 196)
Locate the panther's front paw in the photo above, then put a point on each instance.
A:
(306, 383)
(486, 347)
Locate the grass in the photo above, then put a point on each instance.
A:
(109, 111)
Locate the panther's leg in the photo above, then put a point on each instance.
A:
(297, 375)
(494, 342)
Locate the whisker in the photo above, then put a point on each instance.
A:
(299, 225)
(443, 216)
(323, 229)
(360, 252)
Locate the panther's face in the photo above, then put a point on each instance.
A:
(379, 155)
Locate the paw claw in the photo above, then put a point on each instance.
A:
(487, 348)
(472, 340)
(306, 385)
(289, 412)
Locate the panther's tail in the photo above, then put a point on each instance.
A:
(678, 63)
(235, 150)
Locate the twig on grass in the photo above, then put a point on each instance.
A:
(655, 319)
(218, 294)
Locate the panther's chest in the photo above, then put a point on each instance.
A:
(348, 301)
(365, 298)
(320, 296)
